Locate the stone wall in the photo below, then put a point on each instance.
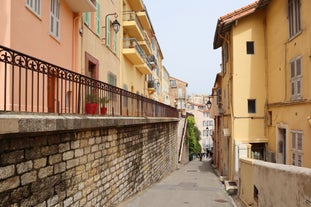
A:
(93, 166)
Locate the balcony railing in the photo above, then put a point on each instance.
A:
(28, 84)
(132, 25)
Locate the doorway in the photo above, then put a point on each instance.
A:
(281, 145)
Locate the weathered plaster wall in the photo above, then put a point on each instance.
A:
(277, 184)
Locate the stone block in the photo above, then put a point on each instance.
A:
(72, 163)
(9, 183)
(40, 163)
(53, 159)
(29, 177)
(68, 155)
(11, 157)
(91, 141)
(60, 167)
(78, 152)
(24, 167)
(52, 201)
(68, 201)
(6, 172)
(19, 193)
(64, 147)
(75, 144)
(49, 150)
(45, 172)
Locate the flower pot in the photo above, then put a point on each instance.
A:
(91, 108)
(103, 110)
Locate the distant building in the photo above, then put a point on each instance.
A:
(196, 105)
(178, 94)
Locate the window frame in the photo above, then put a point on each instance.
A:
(55, 19)
(98, 18)
(297, 148)
(251, 109)
(250, 47)
(296, 78)
(34, 6)
(294, 18)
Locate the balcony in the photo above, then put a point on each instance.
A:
(133, 51)
(82, 5)
(151, 86)
(132, 26)
(144, 19)
(136, 55)
(144, 68)
(146, 45)
(136, 5)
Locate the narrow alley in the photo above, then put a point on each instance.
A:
(194, 184)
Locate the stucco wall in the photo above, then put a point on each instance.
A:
(82, 161)
(277, 184)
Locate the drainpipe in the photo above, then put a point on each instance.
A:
(75, 42)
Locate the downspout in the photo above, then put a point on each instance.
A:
(75, 42)
(266, 132)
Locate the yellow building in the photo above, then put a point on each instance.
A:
(288, 48)
(141, 59)
(99, 53)
(266, 49)
(241, 36)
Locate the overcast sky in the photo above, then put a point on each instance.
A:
(185, 30)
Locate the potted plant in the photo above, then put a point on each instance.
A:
(91, 102)
(103, 108)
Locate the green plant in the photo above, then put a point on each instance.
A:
(103, 101)
(193, 137)
(91, 98)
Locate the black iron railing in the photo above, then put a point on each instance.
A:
(28, 84)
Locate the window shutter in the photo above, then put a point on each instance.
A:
(108, 31)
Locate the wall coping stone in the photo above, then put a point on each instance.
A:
(32, 123)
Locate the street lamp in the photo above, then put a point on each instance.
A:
(209, 103)
(115, 23)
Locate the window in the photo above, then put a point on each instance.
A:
(250, 48)
(34, 6)
(205, 123)
(205, 133)
(87, 18)
(296, 78)
(54, 24)
(225, 58)
(108, 31)
(297, 143)
(179, 93)
(173, 83)
(112, 79)
(97, 18)
(294, 19)
(251, 105)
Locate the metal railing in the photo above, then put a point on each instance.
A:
(131, 16)
(133, 43)
(28, 84)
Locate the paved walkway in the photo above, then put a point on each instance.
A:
(193, 185)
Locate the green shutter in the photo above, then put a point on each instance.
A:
(87, 18)
(108, 31)
(115, 41)
(97, 18)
